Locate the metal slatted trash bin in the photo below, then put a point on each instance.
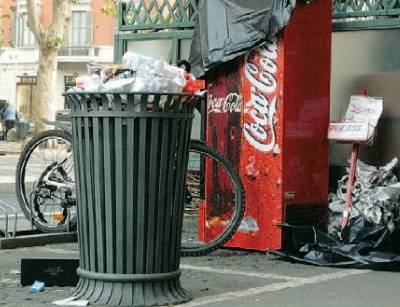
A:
(131, 152)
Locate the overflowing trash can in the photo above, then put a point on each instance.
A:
(131, 152)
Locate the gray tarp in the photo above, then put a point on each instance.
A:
(226, 29)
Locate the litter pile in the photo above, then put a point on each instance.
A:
(372, 235)
(375, 197)
(138, 73)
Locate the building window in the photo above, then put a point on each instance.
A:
(69, 82)
(23, 36)
(26, 87)
(78, 38)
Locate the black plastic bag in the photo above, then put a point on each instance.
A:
(226, 29)
(363, 245)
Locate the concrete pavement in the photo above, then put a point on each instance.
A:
(12, 147)
(226, 278)
(8, 164)
(230, 278)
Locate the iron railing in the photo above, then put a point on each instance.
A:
(365, 14)
(153, 15)
(138, 15)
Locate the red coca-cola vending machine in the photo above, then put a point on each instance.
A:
(268, 112)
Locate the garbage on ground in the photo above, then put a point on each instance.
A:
(37, 287)
(372, 238)
(138, 73)
(15, 272)
(71, 301)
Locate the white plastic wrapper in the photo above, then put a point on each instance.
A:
(154, 75)
(145, 83)
(89, 83)
(119, 85)
(137, 62)
(144, 74)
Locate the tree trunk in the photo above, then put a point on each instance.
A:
(49, 40)
(46, 87)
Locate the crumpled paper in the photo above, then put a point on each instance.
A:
(375, 195)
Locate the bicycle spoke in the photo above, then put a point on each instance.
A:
(47, 156)
(213, 204)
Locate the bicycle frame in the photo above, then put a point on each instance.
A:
(66, 126)
(48, 181)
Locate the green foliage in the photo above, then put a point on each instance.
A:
(110, 8)
(57, 42)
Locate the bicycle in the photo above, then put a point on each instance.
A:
(40, 189)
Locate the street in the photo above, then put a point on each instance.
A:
(229, 278)
(7, 186)
(224, 278)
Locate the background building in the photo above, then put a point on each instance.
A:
(89, 39)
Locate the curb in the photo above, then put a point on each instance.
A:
(7, 188)
(37, 240)
(10, 152)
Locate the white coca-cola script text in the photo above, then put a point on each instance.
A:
(261, 71)
(228, 104)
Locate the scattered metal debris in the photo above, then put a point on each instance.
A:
(372, 236)
(375, 197)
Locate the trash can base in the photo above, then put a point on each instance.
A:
(135, 294)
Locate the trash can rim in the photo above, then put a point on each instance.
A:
(183, 94)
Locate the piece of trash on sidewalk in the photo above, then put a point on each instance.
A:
(375, 197)
(71, 302)
(37, 287)
(15, 272)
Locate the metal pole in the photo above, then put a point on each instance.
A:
(350, 182)
(68, 219)
(4, 204)
(31, 212)
(6, 221)
(6, 225)
(351, 179)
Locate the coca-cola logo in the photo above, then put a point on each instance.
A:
(228, 104)
(261, 71)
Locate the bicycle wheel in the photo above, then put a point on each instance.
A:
(214, 204)
(45, 180)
